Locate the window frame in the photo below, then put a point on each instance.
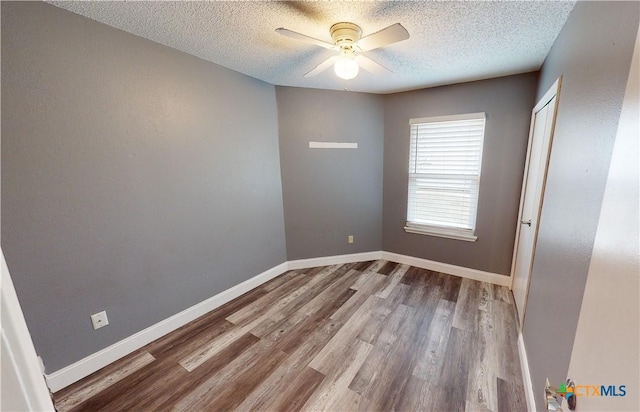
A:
(445, 231)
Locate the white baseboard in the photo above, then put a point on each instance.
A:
(460, 271)
(84, 367)
(526, 375)
(333, 260)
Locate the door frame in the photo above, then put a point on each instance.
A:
(554, 91)
(20, 365)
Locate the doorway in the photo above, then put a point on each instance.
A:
(540, 138)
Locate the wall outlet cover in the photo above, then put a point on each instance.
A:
(99, 320)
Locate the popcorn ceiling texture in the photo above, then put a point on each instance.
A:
(450, 42)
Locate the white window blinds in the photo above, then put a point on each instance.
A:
(445, 158)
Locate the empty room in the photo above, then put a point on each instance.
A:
(320, 206)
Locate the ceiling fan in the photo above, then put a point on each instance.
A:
(349, 43)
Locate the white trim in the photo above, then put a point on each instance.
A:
(84, 367)
(332, 145)
(553, 91)
(526, 375)
(333, 260)
(19, 357)
(456, 234)
(449, 269)
(454, 270)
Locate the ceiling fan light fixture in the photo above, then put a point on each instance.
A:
(348, 42)
(346, 66)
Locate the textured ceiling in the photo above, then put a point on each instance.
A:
(450, 41)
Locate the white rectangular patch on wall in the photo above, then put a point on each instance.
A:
(332, 145)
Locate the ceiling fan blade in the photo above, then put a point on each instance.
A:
(322, 66)
(371, 66)
(384, 37)
(303, 37)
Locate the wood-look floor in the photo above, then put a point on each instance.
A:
(370, 336)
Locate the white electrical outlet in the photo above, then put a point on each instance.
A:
(350, 239)
(99, 320)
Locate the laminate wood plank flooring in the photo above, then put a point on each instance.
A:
(366, 336)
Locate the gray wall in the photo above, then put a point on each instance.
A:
(508, 102)
(135, 179)
(593, 54)
(330, 193)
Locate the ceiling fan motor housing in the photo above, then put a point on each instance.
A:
(345, 34)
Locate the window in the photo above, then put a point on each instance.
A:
(444, 175)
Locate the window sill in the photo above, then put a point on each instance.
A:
(445, 233)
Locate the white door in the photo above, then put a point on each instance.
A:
(540, 137)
